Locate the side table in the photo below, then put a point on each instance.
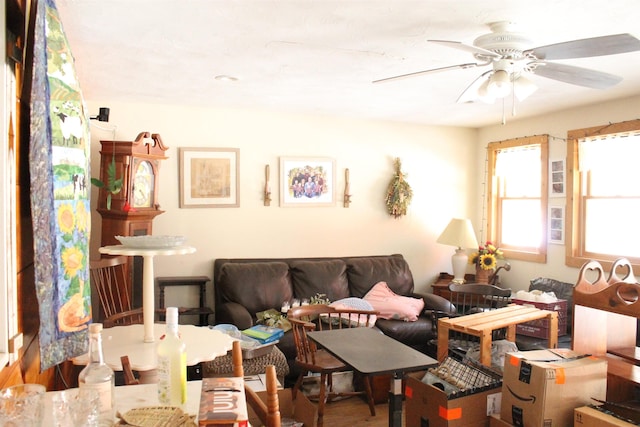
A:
(441, 286)
(201, 281)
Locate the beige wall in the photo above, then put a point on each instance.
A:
(439, 164)
(445, 167)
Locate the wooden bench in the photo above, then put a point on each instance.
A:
(483, 324)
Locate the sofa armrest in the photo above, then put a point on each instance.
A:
(435, 302)
(235, 314)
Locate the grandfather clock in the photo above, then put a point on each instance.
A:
(136, 205)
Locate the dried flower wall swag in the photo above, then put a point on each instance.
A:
(399, 193)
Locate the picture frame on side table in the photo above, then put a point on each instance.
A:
(556, 224)
(307, 181)
(209, 177)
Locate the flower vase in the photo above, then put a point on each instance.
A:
(482, 275)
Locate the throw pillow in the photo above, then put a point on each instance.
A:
(352, 319)
(393, 306)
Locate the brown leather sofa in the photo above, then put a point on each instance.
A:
(244, 287)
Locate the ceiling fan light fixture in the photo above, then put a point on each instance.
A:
(523, 88)
(483, 94)
(499, 84)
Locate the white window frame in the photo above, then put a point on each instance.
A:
(538, 254)
(576, 255)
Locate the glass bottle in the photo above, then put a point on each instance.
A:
(172, 363)
(98, 376)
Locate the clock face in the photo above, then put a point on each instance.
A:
(143, 183)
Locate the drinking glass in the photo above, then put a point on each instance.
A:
(76, 408)
(21, 405)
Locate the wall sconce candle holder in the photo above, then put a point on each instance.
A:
(347, 196)
(267, 187)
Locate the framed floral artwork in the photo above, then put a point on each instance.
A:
(307, 181)
(209, 177)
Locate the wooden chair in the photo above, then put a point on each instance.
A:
(130, 317)
(470, 298)
(110, 282)
(474, 297)
(309, 358)
(129, 377)
(268, 413)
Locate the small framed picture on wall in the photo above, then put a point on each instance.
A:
(556, 178)
(556, 224)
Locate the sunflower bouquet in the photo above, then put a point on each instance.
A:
(486, 257)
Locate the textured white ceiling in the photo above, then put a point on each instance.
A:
(321, 56)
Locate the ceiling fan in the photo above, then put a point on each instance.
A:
(511, 58)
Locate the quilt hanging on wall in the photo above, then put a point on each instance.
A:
(59, 164)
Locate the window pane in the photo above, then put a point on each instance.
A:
(520, 170)
(521, 223)
(612, 164)
(611, 228)
(616, 181)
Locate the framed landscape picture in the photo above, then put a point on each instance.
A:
(307, 181)
(209, 177)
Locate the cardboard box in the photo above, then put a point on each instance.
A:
(425, 403)
(587, 416)
(541, 388)
(300, 409)
(496, 421)
(540, 328)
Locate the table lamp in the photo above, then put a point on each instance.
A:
(459, 233)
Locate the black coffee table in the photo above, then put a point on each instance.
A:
(370, 352)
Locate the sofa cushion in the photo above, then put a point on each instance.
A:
(311, 277)
(364, 272)
(257, 286)
(353, 319)
(393, 306)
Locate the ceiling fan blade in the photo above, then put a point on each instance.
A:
(466, 48)
(576, 75)
(472, 92)
(432, 70)
(583, 48)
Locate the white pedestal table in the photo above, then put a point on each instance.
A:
(148, 277)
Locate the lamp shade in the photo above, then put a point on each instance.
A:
(499, 84)
(459, 233)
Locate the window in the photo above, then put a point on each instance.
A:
(517, 197)
(603, 219)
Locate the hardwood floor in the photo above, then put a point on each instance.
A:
(354, 412)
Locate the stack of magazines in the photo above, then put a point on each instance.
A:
(264, 334)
